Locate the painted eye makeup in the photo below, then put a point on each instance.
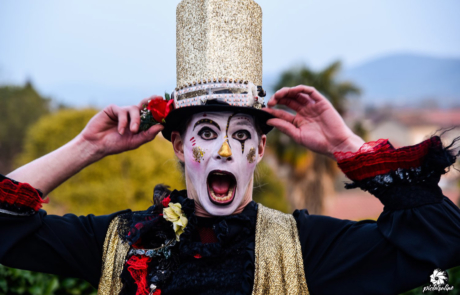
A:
(241, 135)
(207, 133)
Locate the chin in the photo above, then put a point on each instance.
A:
(222, 195)
(217, 210)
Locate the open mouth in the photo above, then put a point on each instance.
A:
(221, 187)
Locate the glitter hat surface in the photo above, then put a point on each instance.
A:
(219, 60)
(218, 40)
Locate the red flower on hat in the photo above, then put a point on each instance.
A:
(160, 108)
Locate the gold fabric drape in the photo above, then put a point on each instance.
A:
(278, 257)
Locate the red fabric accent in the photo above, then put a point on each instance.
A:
(198, 256)
(137, 267)
(379, 157)
(207, 235)
(166, 201)
(138, 244)
(369, 147)
(22, 194)
(157, 292)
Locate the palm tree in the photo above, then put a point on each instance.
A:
(309, 176)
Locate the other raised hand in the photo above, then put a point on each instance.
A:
(315, 124)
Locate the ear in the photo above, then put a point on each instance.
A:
(178, 145)
(261, 147)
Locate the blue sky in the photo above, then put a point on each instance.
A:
(97, 52)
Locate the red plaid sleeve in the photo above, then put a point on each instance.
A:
(379, 157)
(19, 197)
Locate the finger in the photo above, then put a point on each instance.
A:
(145, 101)
(297, 94)
(278, 94)
(109, 111)
(290, 103)
(134, 118)
(122, 116)
(281, 114)
(146, 136)
(282, 92)
(287, 93)
(285, 127)
(311, 91)
(271, 102)
(302, 98)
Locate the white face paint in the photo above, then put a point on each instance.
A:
(220, 179)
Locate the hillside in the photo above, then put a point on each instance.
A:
(408, 78)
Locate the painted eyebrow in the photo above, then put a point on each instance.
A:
(244, 122)
(203, 121)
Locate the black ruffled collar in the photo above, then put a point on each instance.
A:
(235, 247)
(231, 231)
(233, 252)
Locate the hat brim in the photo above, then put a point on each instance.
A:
(177, 117)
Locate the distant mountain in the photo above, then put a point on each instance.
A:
(408, 79)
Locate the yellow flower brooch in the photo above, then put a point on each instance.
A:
(173, 213)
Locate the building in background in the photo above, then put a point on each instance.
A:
(410, 126)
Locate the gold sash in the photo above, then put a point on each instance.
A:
(279, 263)
(278, 256)
(113, 259)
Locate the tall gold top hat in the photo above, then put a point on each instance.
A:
(219, 60)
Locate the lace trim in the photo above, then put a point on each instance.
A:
(379, 157)
(19, 197)
(15, 213)
(403, 188)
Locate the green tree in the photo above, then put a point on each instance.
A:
(269, 190)
(20, 107)
(16, 281)
(309, 176)
(325, 81)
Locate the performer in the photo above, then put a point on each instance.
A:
(212, 238)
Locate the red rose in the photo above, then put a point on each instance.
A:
(160, 108)
(166, 201)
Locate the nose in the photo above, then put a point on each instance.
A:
(225, 151)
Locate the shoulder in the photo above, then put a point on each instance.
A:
(267, 217)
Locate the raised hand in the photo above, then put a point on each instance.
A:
(116, 129)
(316, 124)
(111, 131)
